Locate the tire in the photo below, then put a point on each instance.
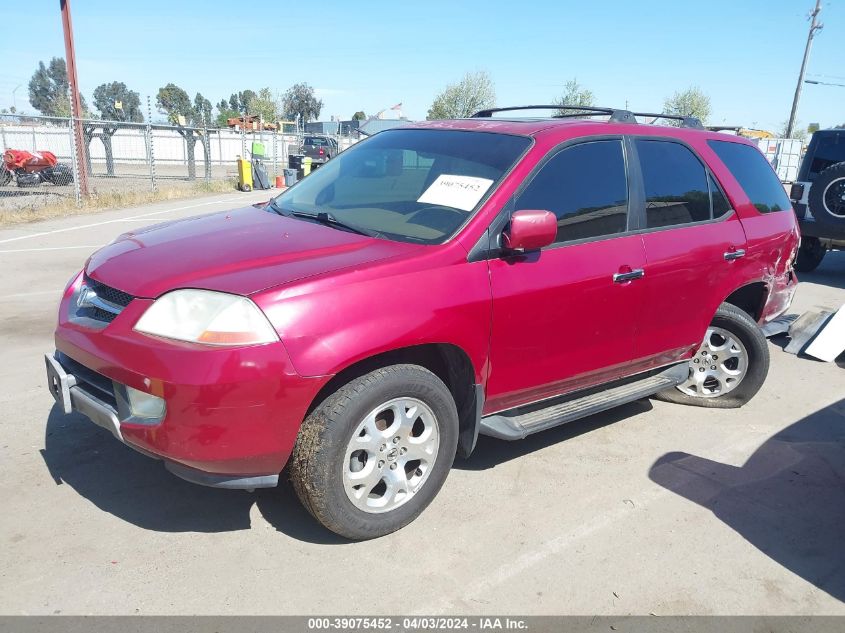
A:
(324, 460)
(810, 255)
(5, 176)
(733, 390)
(827, 197)
(59, 175)
(246, 188)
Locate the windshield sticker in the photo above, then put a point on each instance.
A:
(458, 192)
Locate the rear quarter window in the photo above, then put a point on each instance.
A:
(754, 174)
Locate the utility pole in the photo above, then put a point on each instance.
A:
(75, 101)
(814, 26)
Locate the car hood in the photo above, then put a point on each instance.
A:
(241, 251)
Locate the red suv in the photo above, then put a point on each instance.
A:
(435, 281)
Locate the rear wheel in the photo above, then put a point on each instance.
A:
(810, 255)
(730, 365)
(373, 455)
(5, 176)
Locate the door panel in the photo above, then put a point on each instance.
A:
(686, 277)
(560, 323)
(691, 254)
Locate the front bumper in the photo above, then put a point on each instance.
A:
(232, 414)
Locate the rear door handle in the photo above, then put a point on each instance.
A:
(731, 255)
(637, 273)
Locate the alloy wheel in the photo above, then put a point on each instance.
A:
(717, 367)
(390, 455)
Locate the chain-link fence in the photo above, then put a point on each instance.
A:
(120, 157)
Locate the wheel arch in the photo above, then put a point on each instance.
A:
(447, 361)
(750, 298)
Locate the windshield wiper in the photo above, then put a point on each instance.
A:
(323, 217)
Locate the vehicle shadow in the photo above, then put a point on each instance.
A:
(788, 499)
(490, 452)
(138, 489)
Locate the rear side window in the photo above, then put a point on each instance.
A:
(585, 187)
(676, 187)
(754, 174)
(830, 149)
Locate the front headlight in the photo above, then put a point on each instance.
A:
(204, 316)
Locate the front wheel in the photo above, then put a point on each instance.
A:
(372, 456)
(730, 365)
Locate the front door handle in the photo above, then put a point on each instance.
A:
(637, 273)
(732, 255)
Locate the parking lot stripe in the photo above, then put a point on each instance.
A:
(48, 248)
(115, 221)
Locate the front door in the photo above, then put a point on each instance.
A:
(565, 317)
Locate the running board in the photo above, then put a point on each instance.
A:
(516, 424)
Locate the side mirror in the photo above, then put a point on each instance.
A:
(530, 230)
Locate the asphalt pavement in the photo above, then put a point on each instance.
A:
(650, 508)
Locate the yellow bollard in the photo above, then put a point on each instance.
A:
(306, 165)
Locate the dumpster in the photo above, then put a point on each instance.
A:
(290, 177)
(244, 174)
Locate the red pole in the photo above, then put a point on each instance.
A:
(76, 102)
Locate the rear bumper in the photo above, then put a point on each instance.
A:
(232, 414)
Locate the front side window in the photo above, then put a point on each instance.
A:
(754, 174)
(676, 188)
(585, 187)
(407, 185)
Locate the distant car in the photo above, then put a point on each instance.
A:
(819, 197)
(432, 283)
(319, 147)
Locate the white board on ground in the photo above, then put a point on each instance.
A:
(830, 341)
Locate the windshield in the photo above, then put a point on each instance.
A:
(408, 185)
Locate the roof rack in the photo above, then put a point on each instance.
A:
(616, 115)
(686, 121)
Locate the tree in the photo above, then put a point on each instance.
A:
(475, 91)
(689, 102)
(202, 111)
(174, 102)
(300, 100)
(798, 132)
(107, 95)
(359, 116)
(264, 105)
(48, 89)
(574, 95)
(226, 112)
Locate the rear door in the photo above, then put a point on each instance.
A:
(563, 319)
(692, 240)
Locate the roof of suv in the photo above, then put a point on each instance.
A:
(533, 126)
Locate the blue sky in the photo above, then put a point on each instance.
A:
(371, 55)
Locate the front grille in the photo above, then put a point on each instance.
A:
(108, 294)
(112, 295)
